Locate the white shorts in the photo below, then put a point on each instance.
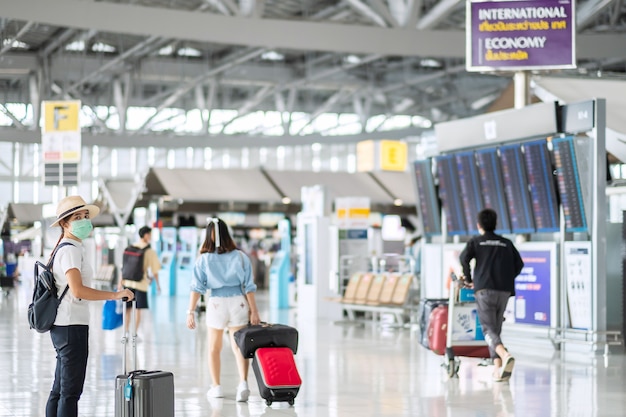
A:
(222, 312)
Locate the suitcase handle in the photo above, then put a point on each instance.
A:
(132, 328)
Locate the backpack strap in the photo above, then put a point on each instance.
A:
(51, 262)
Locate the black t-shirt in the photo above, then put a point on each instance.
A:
(498, 262)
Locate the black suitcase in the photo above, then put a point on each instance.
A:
(6, 283)
(276, 374)
(426, 306)
(142, 393)
(252, 337)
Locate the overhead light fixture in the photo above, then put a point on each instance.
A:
(430, 63)
(102, 47)
(286, 200)
(77, 46)
(272, 56)
(352, 59)
(15, 44)
(166, 50)
(398, 202)
(189, 52)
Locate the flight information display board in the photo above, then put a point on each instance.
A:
(516, 189)
(469, 183)
(568, 181)
(450, 194)
(541, 186)
(427, 201)
(492, 187)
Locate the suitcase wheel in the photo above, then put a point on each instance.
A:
(268, 403)
(291, 402)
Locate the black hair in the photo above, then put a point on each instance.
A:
(487, 219)
(227, 244)
(144, 230)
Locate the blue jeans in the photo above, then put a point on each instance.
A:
(72, 346)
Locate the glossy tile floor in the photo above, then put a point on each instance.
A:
(347, 370)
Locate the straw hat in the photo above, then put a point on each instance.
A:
(70, 205)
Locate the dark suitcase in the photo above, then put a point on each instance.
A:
(6, 283)
(252, 337)
(142, 393)
(276, 374)
(426, 306)
(438, 337)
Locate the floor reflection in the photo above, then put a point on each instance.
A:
(347, 370)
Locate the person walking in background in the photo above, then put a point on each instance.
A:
(70, 333)
(498, 263)
(227, 272)
(140, 285)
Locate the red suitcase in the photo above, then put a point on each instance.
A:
(438, 336)
(276, 373)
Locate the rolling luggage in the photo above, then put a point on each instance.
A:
(276, 374)
(252, 337)
(6, 283)
(142, 393)
(427, 305)
(438, 337)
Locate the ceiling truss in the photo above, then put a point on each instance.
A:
(364, 57)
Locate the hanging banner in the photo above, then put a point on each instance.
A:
(520, 35)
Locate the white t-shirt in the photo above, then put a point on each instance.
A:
(72, 310)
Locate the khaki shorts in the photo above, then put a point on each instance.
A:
(222, 312)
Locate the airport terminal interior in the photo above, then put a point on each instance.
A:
(349, 146)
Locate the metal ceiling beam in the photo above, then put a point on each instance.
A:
(405, 12)
(11, 116)
(326, 107)
(437, 14)
(228, 62)
(317, 36)
(249, 105)
(588, 11)
(381, 8)
(111, 63)
(58, 41)
(18, 35)
(219, 5)
(367, 11)
(165, 141)
(233, 30)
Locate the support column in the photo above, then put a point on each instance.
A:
(521, 81)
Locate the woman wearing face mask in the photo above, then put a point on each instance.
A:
(70, 332)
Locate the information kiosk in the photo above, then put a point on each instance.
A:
(186, 259)
(280, 270)
(167, 257)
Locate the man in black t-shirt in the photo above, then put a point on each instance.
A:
(498, 263)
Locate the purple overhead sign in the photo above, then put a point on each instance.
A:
(516, 35)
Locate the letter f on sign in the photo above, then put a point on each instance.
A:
(58, 115)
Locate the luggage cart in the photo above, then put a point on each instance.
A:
(463, 333)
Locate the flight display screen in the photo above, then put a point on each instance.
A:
(450, 195)
(428, 203)
(492, 186)
(469, 182)
(516, 189)
(541, 186)
(568, 181)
